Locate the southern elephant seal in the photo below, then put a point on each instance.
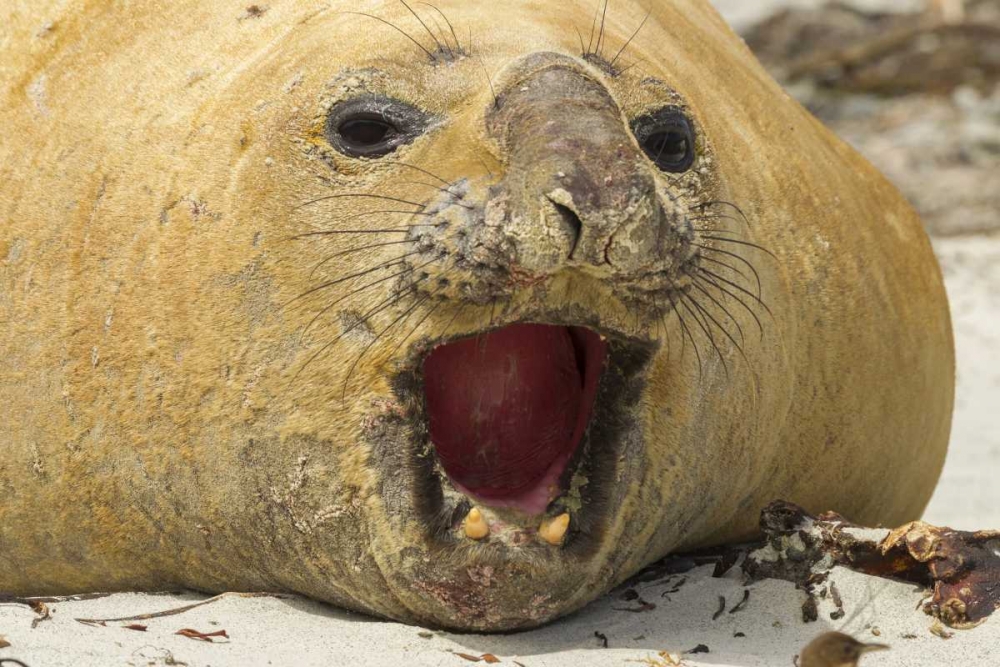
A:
(456, 315)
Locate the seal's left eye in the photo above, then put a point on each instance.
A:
(365, 132)
(667, 138)
(373, 126)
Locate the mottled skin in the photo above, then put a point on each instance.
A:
(155, 162)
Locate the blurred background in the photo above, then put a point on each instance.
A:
(915, 86)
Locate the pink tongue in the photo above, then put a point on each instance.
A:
(505, 406)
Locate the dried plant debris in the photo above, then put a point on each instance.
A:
(488, 658)
(742, 603)
(175, 610)
(37, 605)
(721, 610)
(810, 612)
(42, 610)
(641, 606)
(838, 601)
(722, 558)
(842, 47)
(203, 636)
(962, 568)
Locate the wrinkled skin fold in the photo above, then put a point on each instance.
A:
(213, 330)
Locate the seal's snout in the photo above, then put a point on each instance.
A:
(581, 191)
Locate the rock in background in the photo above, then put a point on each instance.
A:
(917, 91)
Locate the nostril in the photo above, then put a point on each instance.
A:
(571, 223)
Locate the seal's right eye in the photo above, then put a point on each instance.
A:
(373, 126)
(667, 138)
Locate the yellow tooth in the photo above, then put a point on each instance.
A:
(554, 530)
(476, 527)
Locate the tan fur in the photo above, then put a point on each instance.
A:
(152, 162)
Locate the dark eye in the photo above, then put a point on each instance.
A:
(373, 126)
(666, 136)
(366, 131)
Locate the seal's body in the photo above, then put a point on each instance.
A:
(339, 301)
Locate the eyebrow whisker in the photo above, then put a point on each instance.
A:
(400, 31)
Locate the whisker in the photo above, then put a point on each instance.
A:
(416, 327)
(716, 216)
(485, 166)
(458, 45)
(420, 169)
(458, 311)
(489, 80)
(625, 45)
(329, 232)
(400, 31)
(600, 36)
(454, 201)
(444, 36)
(386, 303)
(726, 333)
(359, 249)
(381, 306)
(737, 287)
(739, 329)
(384, 211)
(593, 29)
(738, 242)
(666, 335)
(739, 347)
(331, 283)
(732, 268)
(706, 328)
(760, 325)
(358, 195)
(686, 331)
(721, 202)
(401, 318)
(735, 270)
(628, 67)
(429, 31)
(358, 290)
(583, 49)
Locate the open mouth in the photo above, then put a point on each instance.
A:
(508, 409)
(532, 430)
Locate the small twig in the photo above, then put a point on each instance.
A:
(171, 612)
(13, 599)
